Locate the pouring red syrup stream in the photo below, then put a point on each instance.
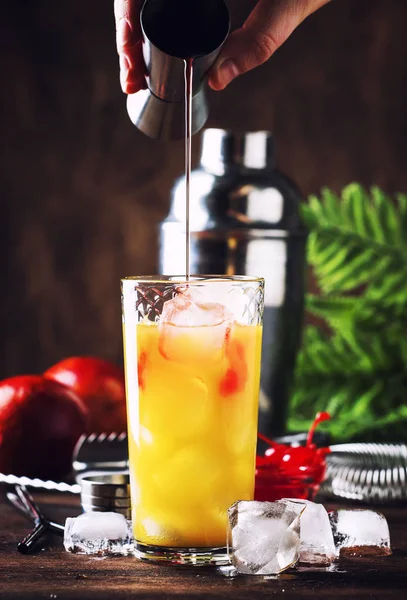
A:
(291, 471)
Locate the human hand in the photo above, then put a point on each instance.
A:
(268, 26)
(128, 41)
(266, 29)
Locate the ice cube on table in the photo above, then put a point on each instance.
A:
(191, 331)
(360, 532)
(317, 546)
(264, 537)
(98, 533)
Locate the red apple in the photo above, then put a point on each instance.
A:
(40, 423)
(100, 385)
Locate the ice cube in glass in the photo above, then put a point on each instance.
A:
(211, 320)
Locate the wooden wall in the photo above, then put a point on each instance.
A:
(81, 190)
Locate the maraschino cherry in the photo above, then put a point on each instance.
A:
(291, 471)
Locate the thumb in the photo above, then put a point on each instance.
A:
(266, 29)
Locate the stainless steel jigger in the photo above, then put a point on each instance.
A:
(174, 30)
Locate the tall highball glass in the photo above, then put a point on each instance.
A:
(192, 362)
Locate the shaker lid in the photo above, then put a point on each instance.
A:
(251, 150)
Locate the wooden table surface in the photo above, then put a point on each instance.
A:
(53, 573)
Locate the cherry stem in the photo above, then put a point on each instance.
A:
(265, 439)
(319, 417)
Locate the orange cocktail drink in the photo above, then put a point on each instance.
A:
(192, 377)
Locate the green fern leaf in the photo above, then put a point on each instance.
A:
(356, 203)
(388, 216)
(331, 206)
(358, 249)
(347, 239)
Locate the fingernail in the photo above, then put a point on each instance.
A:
(228, 71)
(123, 34)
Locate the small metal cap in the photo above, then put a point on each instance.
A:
(106, 492)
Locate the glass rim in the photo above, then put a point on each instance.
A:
(193, 279)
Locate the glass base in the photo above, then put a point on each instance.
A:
(197, 557)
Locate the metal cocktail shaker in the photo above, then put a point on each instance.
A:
(245, 220)
(174, 30)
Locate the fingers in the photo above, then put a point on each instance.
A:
(266, 29)
(128, 41)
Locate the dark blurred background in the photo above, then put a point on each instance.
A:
(82, 191)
